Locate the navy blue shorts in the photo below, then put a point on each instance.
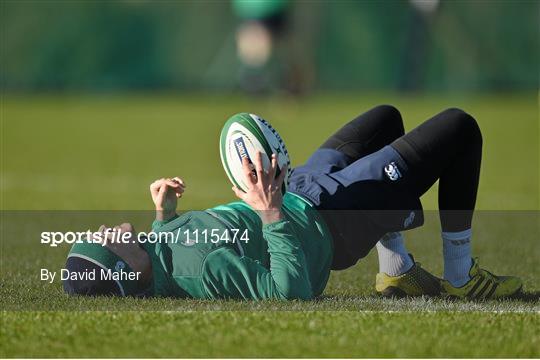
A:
(360, 200)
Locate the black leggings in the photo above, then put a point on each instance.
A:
(447, 147)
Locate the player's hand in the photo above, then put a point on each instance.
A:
(264, 189)
(165, 193)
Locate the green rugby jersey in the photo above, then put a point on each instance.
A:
(288, 259)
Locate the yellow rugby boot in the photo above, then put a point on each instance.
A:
(415, 282)
(483, 285)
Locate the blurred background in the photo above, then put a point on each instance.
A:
(99, 98)
(263, 45)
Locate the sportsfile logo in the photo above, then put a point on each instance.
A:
(186, 237)
(392, 171)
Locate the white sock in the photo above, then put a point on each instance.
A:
(457, 256)
(394, 258)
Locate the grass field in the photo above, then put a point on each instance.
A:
(65, 157)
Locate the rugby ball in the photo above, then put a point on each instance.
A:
(242, 136)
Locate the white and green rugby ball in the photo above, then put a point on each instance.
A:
(242, 136)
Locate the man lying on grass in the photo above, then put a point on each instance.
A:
(356, 192)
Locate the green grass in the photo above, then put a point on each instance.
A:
(291, 334)
(88, 153)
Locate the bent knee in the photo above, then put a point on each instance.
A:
(465, 126)
(388, 110)
(391, 117)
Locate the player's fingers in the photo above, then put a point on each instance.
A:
(180, 189)
(281, 177)
(259, 168)
(239, 193)
(154, 187)
(162, 191)
(180, 181)
(175, 186)
(259, 163)
(273, 167)
(249, 176)
(172, 183)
